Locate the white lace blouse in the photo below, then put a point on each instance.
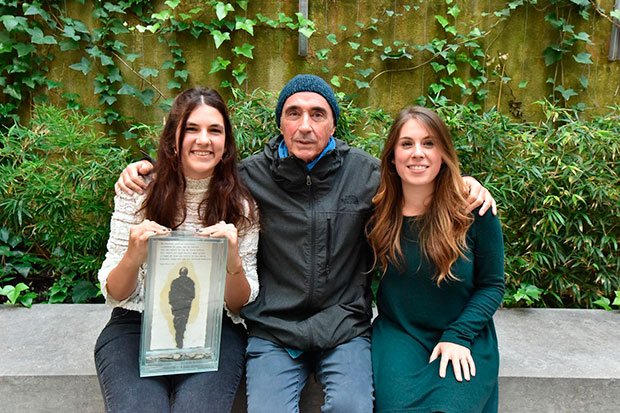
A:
(126, 215)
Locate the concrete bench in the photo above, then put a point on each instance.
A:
(552, 360)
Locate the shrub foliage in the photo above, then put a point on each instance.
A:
(56, 180)
(556, 182)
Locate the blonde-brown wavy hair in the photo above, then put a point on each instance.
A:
(443, 227)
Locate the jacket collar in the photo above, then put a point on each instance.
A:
(292, 173)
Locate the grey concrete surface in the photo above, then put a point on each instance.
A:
(551, 360)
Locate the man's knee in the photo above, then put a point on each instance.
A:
(346, 373)
(343, 400)
(274, 379)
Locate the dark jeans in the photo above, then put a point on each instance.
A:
(116, 360)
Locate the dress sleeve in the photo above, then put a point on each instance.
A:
(248, 248)
(488, 267)
(124, 217)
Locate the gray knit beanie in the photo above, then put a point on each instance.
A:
(308, 83)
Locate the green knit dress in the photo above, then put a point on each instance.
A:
(415, 314)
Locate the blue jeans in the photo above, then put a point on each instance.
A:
(275, 380)
(116, 360)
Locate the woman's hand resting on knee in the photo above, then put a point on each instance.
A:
(461, 359)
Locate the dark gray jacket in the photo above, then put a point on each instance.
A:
(312, 254)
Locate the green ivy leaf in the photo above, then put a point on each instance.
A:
(14, 22)
(106, 60)
(146, 97)
(454, 11)
(173, 84)
(362, 85)
(332, 38)
(127, 89)
(451, 30)
(133, 56)
(522, 84)
(566, 93)
(37, 36)
(34, 10)
(148, 72)
(552, 55)
(84, 65)
(221, 10)
(321, 54)
(219, 37)
(219, 64)
(306, 31)
(167, 65)
(378, 42)
(348, 65)
(12, 90)
(437, 67)
(245, 50)
(115, 75)
(442, 20)
(603, 302)
(615, 14)
(617, 299)
(69, 45)
(245, 24)
(181, 74)
(365, 72)
(354, 45)
(243, 4)
(583, 58)
(162, 15)
(584, 81)
(172, 3)
(24, 49)
(113, 8)
(240, 74)
(451, 68)
(436, 88)
(283, 18)
(335, 80)
(584, 37)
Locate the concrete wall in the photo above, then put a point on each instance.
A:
(523, 37)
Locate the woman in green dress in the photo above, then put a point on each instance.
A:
(434, 347)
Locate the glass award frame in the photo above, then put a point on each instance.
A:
(183, 304)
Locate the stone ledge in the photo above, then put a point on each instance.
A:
(552, 360)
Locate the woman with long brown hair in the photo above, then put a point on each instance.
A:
(195, 187)
(434, 347)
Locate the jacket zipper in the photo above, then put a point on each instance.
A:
(328, 248)
(313, 242)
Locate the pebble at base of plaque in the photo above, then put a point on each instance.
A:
(178, 356)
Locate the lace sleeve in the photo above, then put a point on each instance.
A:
(248, 247)
(124, 217)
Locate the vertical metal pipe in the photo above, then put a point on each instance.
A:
(303, 40)
(614, 42)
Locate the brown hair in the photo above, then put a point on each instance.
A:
(444, 225)
(227, 196)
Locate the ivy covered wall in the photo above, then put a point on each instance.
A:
(129, 58)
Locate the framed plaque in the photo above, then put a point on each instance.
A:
(183, 305)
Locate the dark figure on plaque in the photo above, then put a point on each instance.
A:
(181, 295)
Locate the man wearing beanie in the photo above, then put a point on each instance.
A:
(313, 310)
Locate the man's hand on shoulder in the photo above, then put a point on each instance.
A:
(478, 196)
(131, 179)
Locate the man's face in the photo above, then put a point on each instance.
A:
(307, 122)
